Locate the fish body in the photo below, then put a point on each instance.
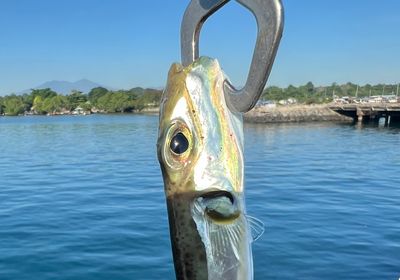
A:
(200, 150)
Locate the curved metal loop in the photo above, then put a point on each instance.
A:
(269, 16)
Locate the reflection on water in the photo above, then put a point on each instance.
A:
(82, 198)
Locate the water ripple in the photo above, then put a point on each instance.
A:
(82, 198)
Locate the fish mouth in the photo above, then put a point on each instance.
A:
(219, 205)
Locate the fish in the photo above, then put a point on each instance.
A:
(200, 151)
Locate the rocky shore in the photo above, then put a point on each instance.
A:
(267, 114)
(293, 113)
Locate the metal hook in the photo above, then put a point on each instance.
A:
(269, 16)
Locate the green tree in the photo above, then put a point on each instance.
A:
(138, 91)
(76, 98)
(87, 106)
(38, 105)
(1, 106)
(43, 93)
(273, 93)
(291, 92)
(13, 105)
(119, 101)
(349, 89)
(102, 102)
(55, 104)
(151, 97)
(96, 93)
(28, 100)
(310, 88)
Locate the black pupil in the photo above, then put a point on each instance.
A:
(179, 144)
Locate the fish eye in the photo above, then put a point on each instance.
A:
(179, 144)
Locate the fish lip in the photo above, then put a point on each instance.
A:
(208, 202)
(217, 194)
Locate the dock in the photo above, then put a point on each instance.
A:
(365, 112)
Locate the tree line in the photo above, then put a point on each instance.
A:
(47, 101)
(310, 94)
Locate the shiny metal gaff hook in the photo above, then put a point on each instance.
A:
(269, 16)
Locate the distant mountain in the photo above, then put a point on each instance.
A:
(65, 87)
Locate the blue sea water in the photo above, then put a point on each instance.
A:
(82, 198)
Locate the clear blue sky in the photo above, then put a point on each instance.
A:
(125, 43)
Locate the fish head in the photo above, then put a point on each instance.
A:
(200, 150)
(200, 144)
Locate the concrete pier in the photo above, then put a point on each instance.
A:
(365, 112)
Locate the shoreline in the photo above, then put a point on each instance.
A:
(294, 114)
(260, 114)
